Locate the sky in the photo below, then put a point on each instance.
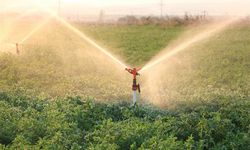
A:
(135, 7)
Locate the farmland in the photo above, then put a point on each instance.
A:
(137, 44)
(53, 96)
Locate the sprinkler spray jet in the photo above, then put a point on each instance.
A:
(82, 35)
(135, 86)
(214, 29)
(36, 29)
(18, 49)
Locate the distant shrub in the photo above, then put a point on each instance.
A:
(129, 20)
(166, 20)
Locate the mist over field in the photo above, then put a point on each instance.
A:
(145, 74)
(138, 7)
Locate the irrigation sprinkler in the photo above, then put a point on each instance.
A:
(135, 86)
(17, 49)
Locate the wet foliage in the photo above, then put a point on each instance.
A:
(28, 122)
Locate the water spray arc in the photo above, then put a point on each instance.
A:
(10, 24)
(134, 71)
(78, 33)
(199, 37)
(73, 29)
(17, 18)
(84, 37)
(32, 32)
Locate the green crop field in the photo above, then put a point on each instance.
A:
(61, 94)
(136, 44)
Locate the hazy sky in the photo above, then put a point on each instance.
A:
(136, 7)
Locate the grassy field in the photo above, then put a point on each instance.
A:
(136, 44)
(206, 91)
(216, 66)
(55, 62)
